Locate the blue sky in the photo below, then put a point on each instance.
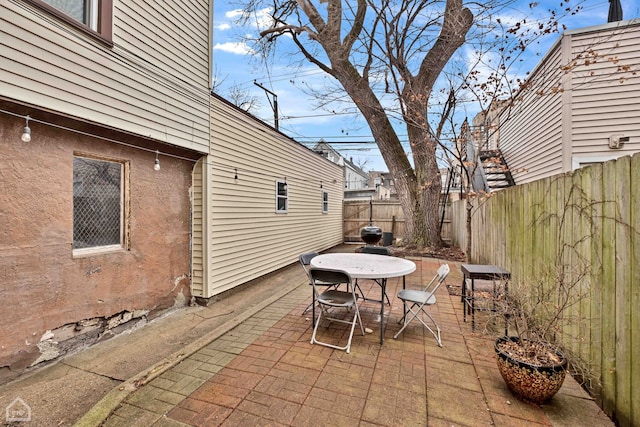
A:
(236, 65)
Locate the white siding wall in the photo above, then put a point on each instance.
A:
(153, 82)
(354, 181)
(248, 239)
(531, 130)
(606, 94)
(549, 132)
(198, 241)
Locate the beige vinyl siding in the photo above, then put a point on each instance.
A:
(136, 29)
(152, 82)
(551, 133)
(531, 131)
(248, 238)
(197, 231)
(605, 99)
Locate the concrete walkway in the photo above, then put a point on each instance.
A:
(252, 364)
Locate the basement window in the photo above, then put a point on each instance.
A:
(99, 205)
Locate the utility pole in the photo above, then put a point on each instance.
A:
(274, 105)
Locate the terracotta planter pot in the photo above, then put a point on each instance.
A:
(533, 383)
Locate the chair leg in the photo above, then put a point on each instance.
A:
(347, 348)
(437, 335)
(359, 289)
(306, 309)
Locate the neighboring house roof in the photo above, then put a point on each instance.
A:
(357, 169)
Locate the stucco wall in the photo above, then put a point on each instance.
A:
(53, 301)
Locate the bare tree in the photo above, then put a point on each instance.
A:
(357, 44)
(361, 163)
(390, 58)
(241, 98)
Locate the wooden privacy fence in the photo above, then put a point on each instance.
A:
(386, 214)
(588, 223)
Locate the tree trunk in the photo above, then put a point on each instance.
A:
(419, 189)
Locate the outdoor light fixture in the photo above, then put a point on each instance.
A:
(156, 165)
(26, 132)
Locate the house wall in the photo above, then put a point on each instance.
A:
(153, 81)
(53, 301)
(354, 180)
(246, 237)
(144, 89)
(605, 94)
(585, 90)
(531, 129)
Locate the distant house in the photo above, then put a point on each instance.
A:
(581, 105)
(354, 177)
(383, 179)
(265, 199)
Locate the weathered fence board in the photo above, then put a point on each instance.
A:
(634, 301)
(385, 214)
(591, 220)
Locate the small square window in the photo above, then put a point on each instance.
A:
(282, 196)
(325, 202)
(98, 204)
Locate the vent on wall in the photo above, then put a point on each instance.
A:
(617, 141)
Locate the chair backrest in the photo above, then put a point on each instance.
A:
(328, 277)
(441, 274)
(305, 261)
(378, 250)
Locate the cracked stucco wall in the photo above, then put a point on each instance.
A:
(53, 302)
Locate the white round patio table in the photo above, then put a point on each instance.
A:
(368, 266)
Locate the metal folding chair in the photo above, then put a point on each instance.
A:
(416, 302)
(332, 298)
(376, 250)
(305, 261)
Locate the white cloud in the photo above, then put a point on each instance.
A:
(238, 48)
(223, 27)
(234, 14)
(261, 19)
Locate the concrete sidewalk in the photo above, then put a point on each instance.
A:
(238, 363)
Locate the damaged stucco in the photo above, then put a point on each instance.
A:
(54, 302)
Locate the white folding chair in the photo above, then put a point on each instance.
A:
(416, 301)
(332, 298)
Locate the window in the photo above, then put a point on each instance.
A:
(579, 162)
(98, 204)
(282, 196)
(92, 16)
(325, 202)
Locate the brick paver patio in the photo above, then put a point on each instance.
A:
(265, 372)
